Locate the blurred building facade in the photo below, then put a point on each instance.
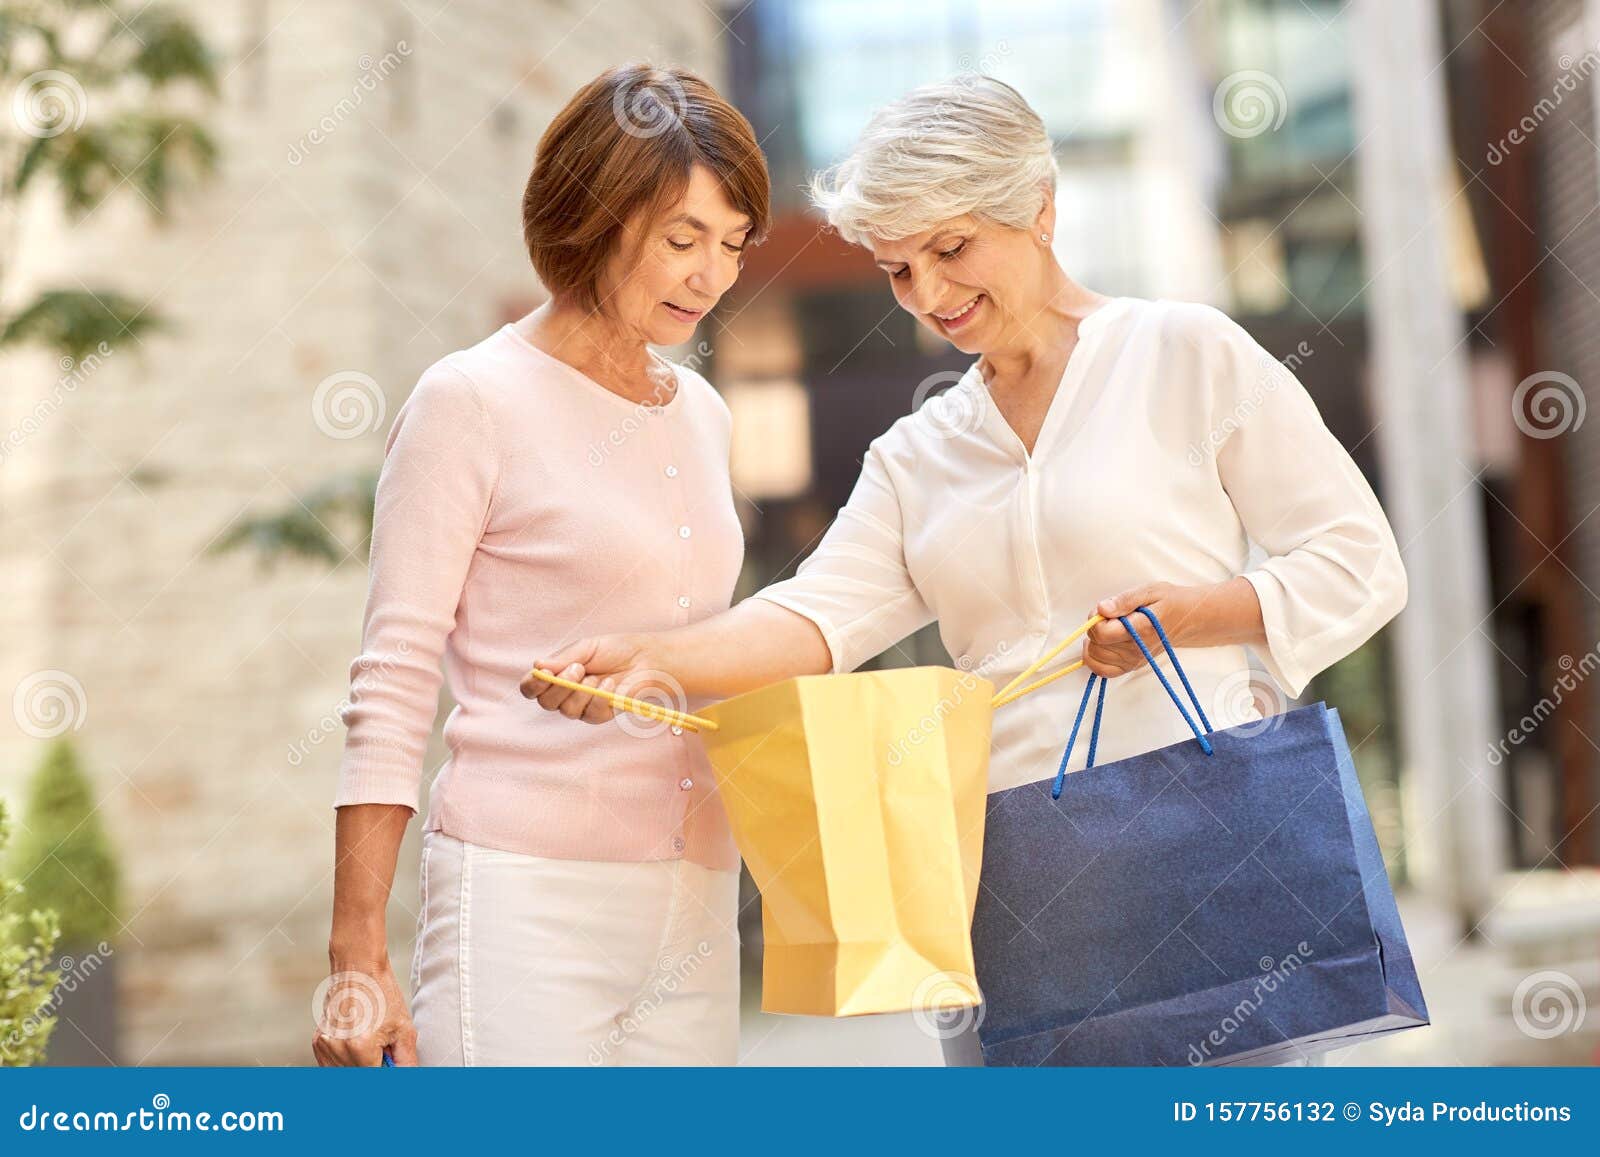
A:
(1209, 153)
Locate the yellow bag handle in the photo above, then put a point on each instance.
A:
(1008, 693)
(632, 706)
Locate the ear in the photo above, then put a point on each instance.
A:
(1045, 222)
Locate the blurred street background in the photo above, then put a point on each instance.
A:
(233, 233)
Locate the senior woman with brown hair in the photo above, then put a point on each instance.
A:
(1101, 453)
(557, 479)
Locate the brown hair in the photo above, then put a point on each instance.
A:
(625, 144)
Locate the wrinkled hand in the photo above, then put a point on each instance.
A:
(363, 1012)
(626, 664)
(1110, 651)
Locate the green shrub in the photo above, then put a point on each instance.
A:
(27, 946)
(62, 854)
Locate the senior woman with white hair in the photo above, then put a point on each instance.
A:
(1100, 454)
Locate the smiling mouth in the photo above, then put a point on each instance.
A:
(960, 316)
(684, 314)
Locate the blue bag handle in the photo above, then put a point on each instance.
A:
(1100, 703)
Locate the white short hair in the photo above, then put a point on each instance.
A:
(970, 144)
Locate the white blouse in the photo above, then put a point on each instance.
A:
(1173, 444)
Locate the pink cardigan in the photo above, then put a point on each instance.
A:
(523, 506)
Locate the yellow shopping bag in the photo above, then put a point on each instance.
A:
(858, 804)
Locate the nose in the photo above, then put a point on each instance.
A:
(926, 289)
(713, 276)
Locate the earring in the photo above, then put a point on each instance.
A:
(1045, 237)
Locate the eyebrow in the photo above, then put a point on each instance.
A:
(700, 226)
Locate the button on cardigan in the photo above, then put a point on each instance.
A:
(1175, 449)
(522, 506)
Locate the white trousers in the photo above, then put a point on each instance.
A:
(522, 960)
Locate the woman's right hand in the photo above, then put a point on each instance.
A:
(363, 1012)
(627, 664)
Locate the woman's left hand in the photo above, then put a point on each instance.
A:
(1211, 615)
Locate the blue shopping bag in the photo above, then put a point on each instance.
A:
(1221, 901)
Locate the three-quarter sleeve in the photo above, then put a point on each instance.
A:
(1333, 574)
(855, 586)
(433, 498)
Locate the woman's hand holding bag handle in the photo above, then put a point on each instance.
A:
(1100, 703)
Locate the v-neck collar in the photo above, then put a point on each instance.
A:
(1065, 396)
